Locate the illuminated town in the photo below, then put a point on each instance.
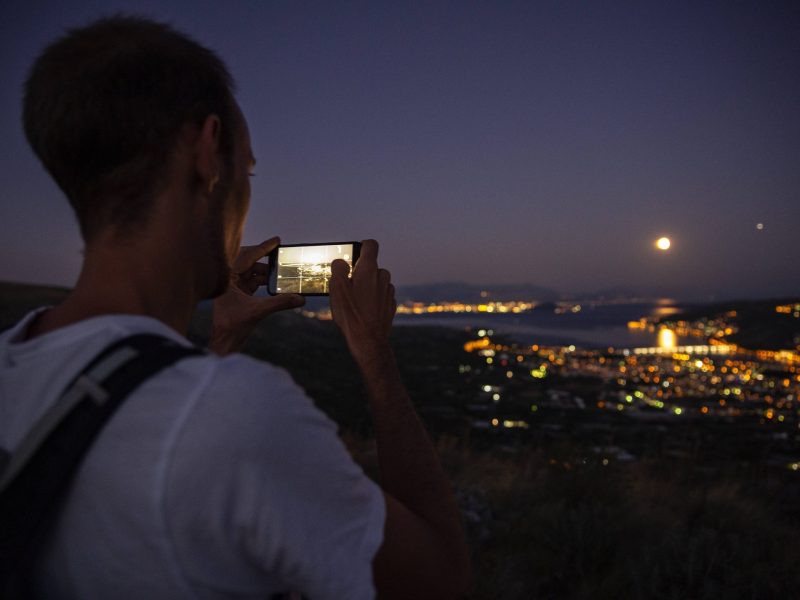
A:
(428, 308)
(462, 308)
(665, 381)
(420, 308)
(623, 402)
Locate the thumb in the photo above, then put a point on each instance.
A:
(280, 302)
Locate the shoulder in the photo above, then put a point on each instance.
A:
(246, 412)
(247, 388)
(261, 472)
(243, 371)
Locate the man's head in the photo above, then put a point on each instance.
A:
(104, 109)
(108, 107)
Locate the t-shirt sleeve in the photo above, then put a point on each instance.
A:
(261, 495)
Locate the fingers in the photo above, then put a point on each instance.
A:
(384, 277)
(251, 254)
(280, 302)
(339, 287)
(368, 257)
(266, 246)
(258, 272)
(252, 278)
(253, 282)
(392, 311)
(363, 306)
(339, 272)
(339, 268)
(390, 307)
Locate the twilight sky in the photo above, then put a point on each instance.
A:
(486, 142)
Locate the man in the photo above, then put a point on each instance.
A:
(217, 477)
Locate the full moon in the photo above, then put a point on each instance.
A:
(663, 243)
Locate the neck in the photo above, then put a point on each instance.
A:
(147, 274)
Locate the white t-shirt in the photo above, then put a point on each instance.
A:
(216, 478)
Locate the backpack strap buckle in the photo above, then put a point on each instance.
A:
(89, 387)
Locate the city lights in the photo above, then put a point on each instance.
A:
(712, 380)
(422, 308)
(666, 339)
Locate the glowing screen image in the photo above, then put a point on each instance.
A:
(307, 269)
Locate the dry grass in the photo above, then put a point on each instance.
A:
(543, 529)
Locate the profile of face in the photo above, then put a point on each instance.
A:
(231, 200)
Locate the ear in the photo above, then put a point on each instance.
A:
(206, 152)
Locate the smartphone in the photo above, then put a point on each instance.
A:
(306, 268)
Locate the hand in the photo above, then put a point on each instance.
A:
(363, 306)
(237, 311)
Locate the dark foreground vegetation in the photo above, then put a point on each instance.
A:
(550, 517)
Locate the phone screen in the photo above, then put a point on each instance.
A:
(306, 269)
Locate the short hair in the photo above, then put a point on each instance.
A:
(104, 105)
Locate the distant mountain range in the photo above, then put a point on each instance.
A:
(527, 292)
(471, 293)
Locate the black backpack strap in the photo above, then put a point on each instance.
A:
(38, 474)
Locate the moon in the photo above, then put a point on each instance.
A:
(663, 243)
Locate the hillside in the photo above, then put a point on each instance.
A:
(545, 519)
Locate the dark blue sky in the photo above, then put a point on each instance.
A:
(487, 142)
